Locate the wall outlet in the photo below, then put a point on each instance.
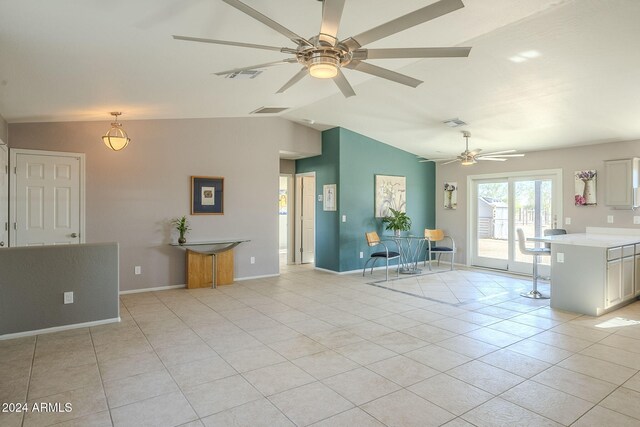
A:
(636, 219)
(567, 221)
(253, 260)
(610, 219)
(319, 197)
(560, 257)
(361, 254)
(68, 297)
(344, 218)
(137, 269)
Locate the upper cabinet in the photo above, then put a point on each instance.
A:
(4, 196)
(621, 182)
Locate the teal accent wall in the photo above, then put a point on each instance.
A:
(351, 161)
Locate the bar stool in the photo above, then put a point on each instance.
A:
(535, 252)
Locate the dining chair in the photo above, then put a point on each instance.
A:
(536, 253)
(373, 240)
(434, 240)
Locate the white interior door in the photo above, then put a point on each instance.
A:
(4, 196)
(305, 223)
(47, 198)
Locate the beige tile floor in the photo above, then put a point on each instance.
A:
(312, 348)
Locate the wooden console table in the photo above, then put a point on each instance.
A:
(209, 264)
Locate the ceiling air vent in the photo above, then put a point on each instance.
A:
(245, 74)
(454, 123)
(270, 110)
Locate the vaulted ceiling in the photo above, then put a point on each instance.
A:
(541, 73)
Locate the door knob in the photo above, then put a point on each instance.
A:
(1, 244)
(74, 235)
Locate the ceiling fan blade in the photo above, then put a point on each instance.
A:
(409, 20)
(500, 152)
(240, 44)
(374, 70)
(268, 22)
(295, 79)
(343, 84)
(493, 159)
(254, 67)
(502, 155)
(331, 14)
(415, 52)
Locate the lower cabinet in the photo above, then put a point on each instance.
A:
(636, 290)
(621, 276)
(614, 282)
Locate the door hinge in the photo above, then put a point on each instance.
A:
(6, 226)
(15, 226)
(15, 170)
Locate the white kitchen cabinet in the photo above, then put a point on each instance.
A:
(614, 280)
(620, 284)
(621, 181)
(636, 280)
(627, 285)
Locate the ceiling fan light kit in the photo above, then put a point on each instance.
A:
(323, 56)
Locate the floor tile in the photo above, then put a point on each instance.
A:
(613, 355)
(99, 419)
(365, 352)
(625, 401)
(429, 333)
(450, 393)
(201, 371)
(252, 358)
(336, 338)
(360, 385)
(515, 363)
(405, 409)
(55, 381)
(541, 351)
(499, 412)
(556, 405)
(139, 387)
(310, 403)
(576, 384)
(259, 413)
(485, 377)
(127, 366)
(494, 337)
(402, 370)
(216, 396)
(276, 378)
(297, 347)
(468, 346)
(600, 416)
(633, 383)
(351, 418)
(166, 410)
(399, 342)
(515, 328)
(438, 358)
(325, 364)
(84, 401)
(565, 342)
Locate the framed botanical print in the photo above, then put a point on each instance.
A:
(207, 195)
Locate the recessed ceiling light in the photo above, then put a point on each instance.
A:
(517, 59)
(530, 54)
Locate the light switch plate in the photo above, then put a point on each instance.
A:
(610, 219)
(344, 218)
(636, 219)
(68, 297)
(137, 269)
(560, 257)
(319, 197)
(567, 221)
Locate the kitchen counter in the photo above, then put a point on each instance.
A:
(589, 239)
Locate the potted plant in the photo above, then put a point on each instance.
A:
(182, 225)
(397, 221)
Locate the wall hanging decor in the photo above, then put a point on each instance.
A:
(391, 192)
(585, 184)
(207, 195)
(329, 197)
(450, 195)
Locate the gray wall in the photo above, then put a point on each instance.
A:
(287, 166)
(568, 159)
(133, 194)
(34, 279)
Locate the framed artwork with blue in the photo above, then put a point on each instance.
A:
(207, 195)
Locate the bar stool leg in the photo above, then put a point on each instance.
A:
(533, 293)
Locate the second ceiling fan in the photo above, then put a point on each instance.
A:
(324, 55)
(467, 158)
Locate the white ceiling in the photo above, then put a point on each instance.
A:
(64, 60)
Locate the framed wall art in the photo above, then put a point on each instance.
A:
(391, 192)
(585, 185)
(329, 197)
(207, 195)
(451, 195)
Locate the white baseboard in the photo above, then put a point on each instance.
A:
(382, 267)
(159, 288)
(58, 329)
(240, 279)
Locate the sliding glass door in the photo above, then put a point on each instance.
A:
(502, 204)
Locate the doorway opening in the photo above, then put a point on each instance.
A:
(285, 225)
(305, 218)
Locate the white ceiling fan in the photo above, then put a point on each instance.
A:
(467, 157)
(324, 55)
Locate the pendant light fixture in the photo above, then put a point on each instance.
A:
(116, 138)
